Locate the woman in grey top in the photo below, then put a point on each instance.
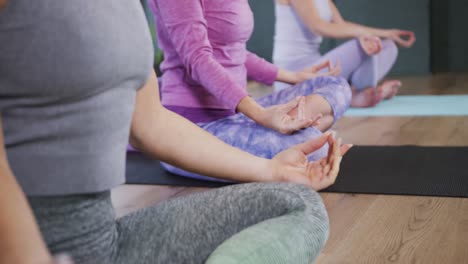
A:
(70, 74)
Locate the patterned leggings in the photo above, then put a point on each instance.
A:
(243, 133)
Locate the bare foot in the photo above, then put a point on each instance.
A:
(389, 88)
(367, 98)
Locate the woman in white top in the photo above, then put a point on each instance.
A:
(365, 59)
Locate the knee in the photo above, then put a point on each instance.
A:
(389, 47)
(336, 90)
(345, 88)
(343, 93)
(315, 214)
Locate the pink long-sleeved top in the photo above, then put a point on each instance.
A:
(206, 63)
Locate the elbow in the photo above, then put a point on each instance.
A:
(136, 139)
(146, 126)
(195, 63)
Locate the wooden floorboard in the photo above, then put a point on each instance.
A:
(377, 228)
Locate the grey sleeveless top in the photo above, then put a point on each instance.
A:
(69, 73)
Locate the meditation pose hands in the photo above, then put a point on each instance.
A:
(292, 164)
(373, 45)
(325, 68)
(403, 38)
(278, 117)
(370, 44)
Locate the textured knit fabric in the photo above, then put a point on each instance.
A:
(69, 72)
(286, 222)
(243, 133)
(296, 48)
(206, 63)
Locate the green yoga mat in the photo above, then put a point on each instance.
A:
(417, 105)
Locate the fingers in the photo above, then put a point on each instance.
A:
(324, 172)
(336, 161)
(314, 144)
(316, 119)
(334, 72)
(345, 148)
(337, 69)
(301, 124)
(366, 45)
(320, 66)
(371, 44)
(286, 108)
(301, 109)
(331, 146)
(402, 34)
(404, 43)
(378, 43)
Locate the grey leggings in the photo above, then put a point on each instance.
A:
(247, 223)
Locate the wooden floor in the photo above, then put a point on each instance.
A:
(378, 228)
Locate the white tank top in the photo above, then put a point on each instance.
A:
(294, 41)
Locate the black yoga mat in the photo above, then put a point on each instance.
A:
(398, 170)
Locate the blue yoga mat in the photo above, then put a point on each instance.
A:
(417, 105)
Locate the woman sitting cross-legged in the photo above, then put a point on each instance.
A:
(205, 72)
(76, 83)
(365, 60)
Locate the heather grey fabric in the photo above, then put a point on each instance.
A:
(69, 72)
(248, 223)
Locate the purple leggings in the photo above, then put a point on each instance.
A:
(361, 70)
(243, 133)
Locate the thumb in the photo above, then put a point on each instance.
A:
(291, 104)
(314, 144)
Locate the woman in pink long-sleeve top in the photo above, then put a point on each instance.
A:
(205, 73)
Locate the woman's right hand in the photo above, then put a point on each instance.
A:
(277, 117)
(403, 38)
(371, 44)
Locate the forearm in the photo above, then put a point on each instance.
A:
(338, 28)
(260, 70)
(345, 30)
(370, 31)
(20, 239)
(175, 140)
(287, 76)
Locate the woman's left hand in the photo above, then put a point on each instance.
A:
(403, 38)
(292, 164)
(278, 117)
(309, 73)
(315, 71)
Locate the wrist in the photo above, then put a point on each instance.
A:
(384, 33)
(271, 171)
(251, 109)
